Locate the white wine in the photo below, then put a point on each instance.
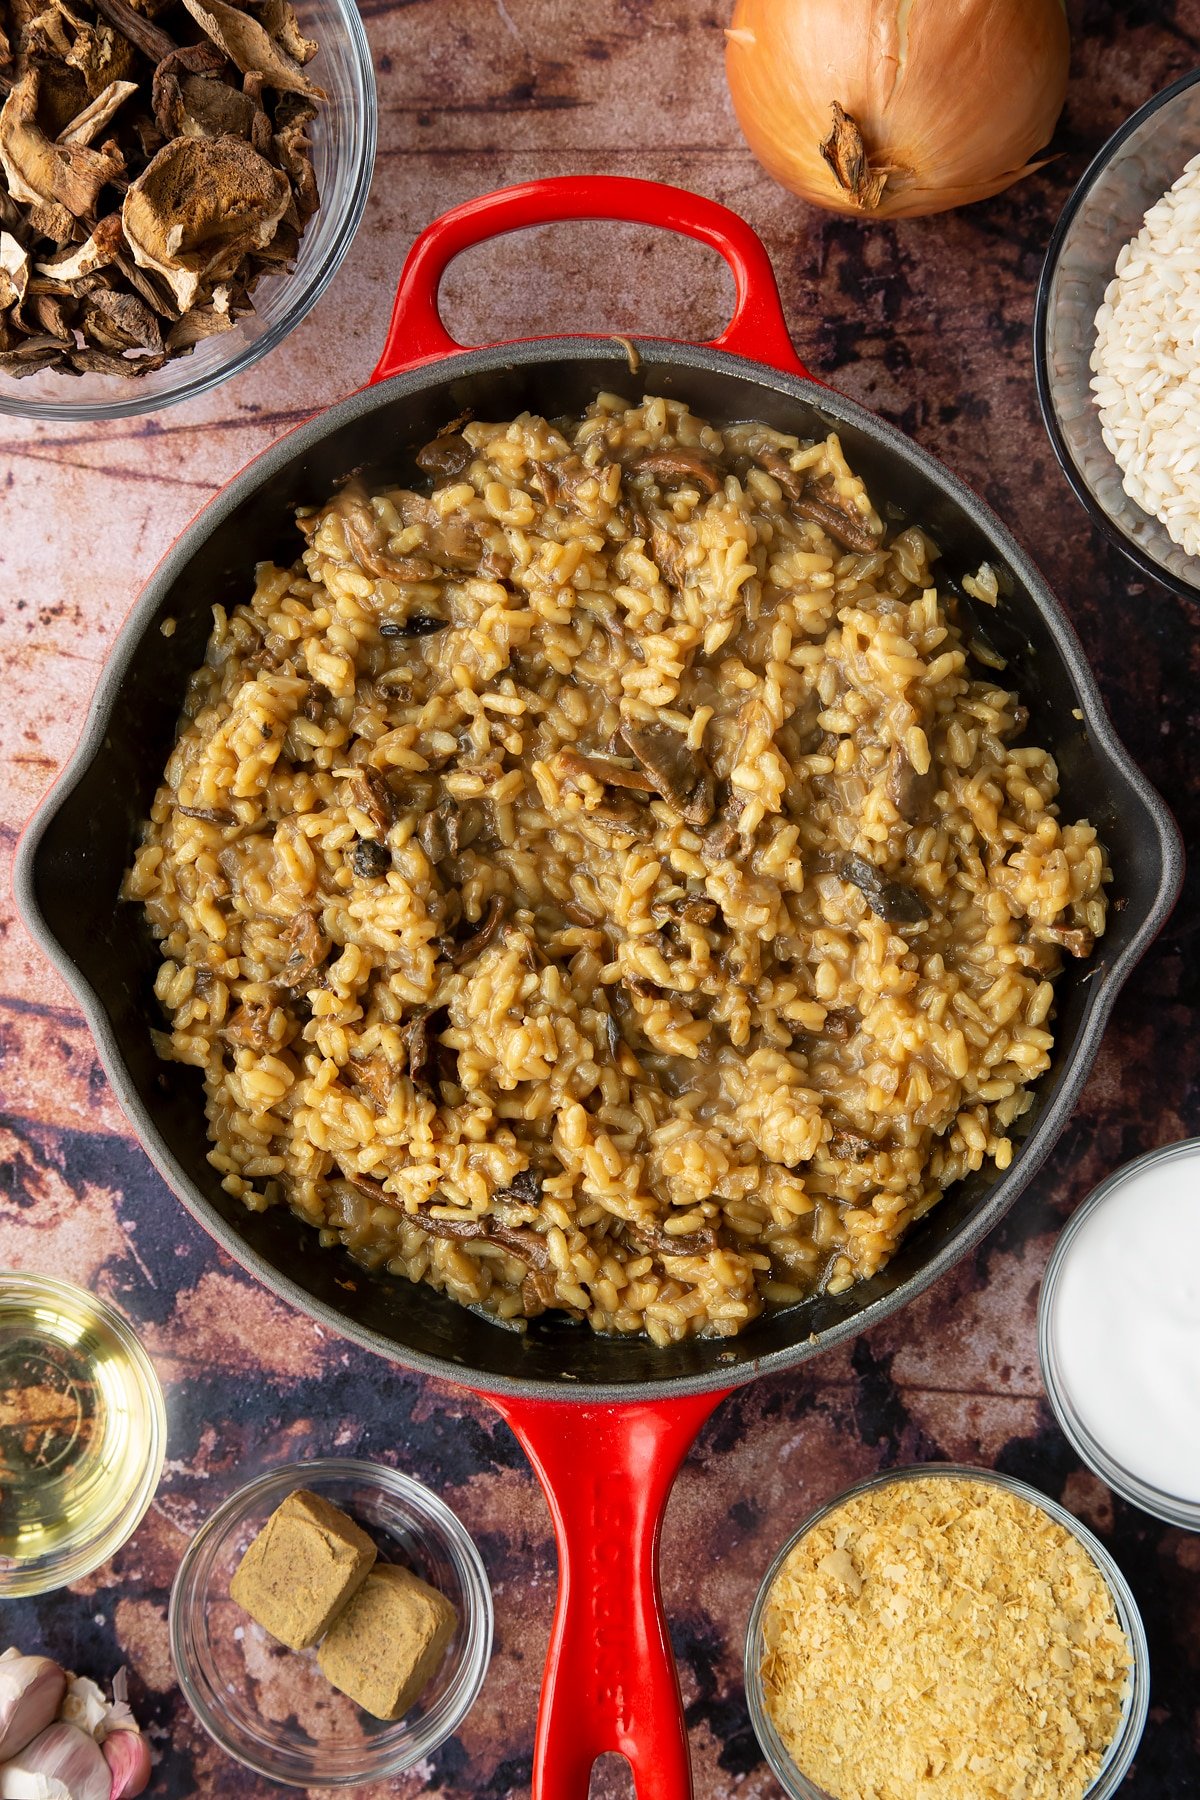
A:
(81, 1433)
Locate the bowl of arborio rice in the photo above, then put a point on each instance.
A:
(1117, 337)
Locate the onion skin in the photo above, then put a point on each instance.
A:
(952, 97)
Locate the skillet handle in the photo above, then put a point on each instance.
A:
(757, 329)
(610, 1680)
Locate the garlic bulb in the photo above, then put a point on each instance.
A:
(62, 1763)
(31, 1691)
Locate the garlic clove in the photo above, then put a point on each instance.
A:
(84, 1705)
(62, 1763)
(128, 1756)
(31, 1691)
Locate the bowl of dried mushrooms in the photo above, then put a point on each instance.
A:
(179, 181)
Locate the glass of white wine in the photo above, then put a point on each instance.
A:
(82, 1433)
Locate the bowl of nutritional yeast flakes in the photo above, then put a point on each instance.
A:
(1116, 344)
(605, 1417)
(949, 1630)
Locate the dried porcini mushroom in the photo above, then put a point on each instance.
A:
(40, 171)
(155, 164)
(199, 209)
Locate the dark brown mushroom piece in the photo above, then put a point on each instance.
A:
(211, 815)
(438, 831)
(251, 47)
(678, 773)
(419, 1038)
(525, 1186)
(840, 1025)
(373, 796)
(199, 209)
(672, 467)
(889, 900)
(1076, 940)
(482, 935)
(684, 1243)
(851, 1146)
(845, 527)
(911, 794)
(607, 770)
(780, 469)
(40, 171)
(308, 952)
(374, 1077)
(371, 860)
(249, 1025)
(417, 625)
(695, 909)
(448, 455)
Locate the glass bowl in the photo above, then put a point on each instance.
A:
(1176, 1509)
(343, 139)
(271, 1708)
(82, 1433)
(1137, 1699)
(1136, 166)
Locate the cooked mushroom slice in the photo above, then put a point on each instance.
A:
(484, 932)
(252, 49)
(525, 1186)
(437, 832)
(375, 797)
(850, 1145)
(694, 908)
(780, 469)
(678, 773)
(891, 900)
(1076, 940)
(839, 1024)
(249, 1025)
(670, 467)
(446, 455)
(199, 208)
(309, 950)
(417, 625)
(684, 1243)
(41, 172)
(722, 835)
(371, 860)
(911, 794)
(420, 1040)
(209, 814)
(374, 1077)
(844, 526)
(604, 769)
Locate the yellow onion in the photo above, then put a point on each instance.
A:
(889, 108)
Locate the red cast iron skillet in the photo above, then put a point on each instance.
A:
(605, 1421)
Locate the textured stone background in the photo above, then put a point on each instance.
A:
(929, 322)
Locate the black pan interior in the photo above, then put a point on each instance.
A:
(71, 877)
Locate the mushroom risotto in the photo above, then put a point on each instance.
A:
(598, 879)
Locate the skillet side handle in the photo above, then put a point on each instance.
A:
(757, 329)
(610, 1680)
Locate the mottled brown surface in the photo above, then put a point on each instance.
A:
(928, 321)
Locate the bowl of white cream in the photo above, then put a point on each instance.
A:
(1119, 1332)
